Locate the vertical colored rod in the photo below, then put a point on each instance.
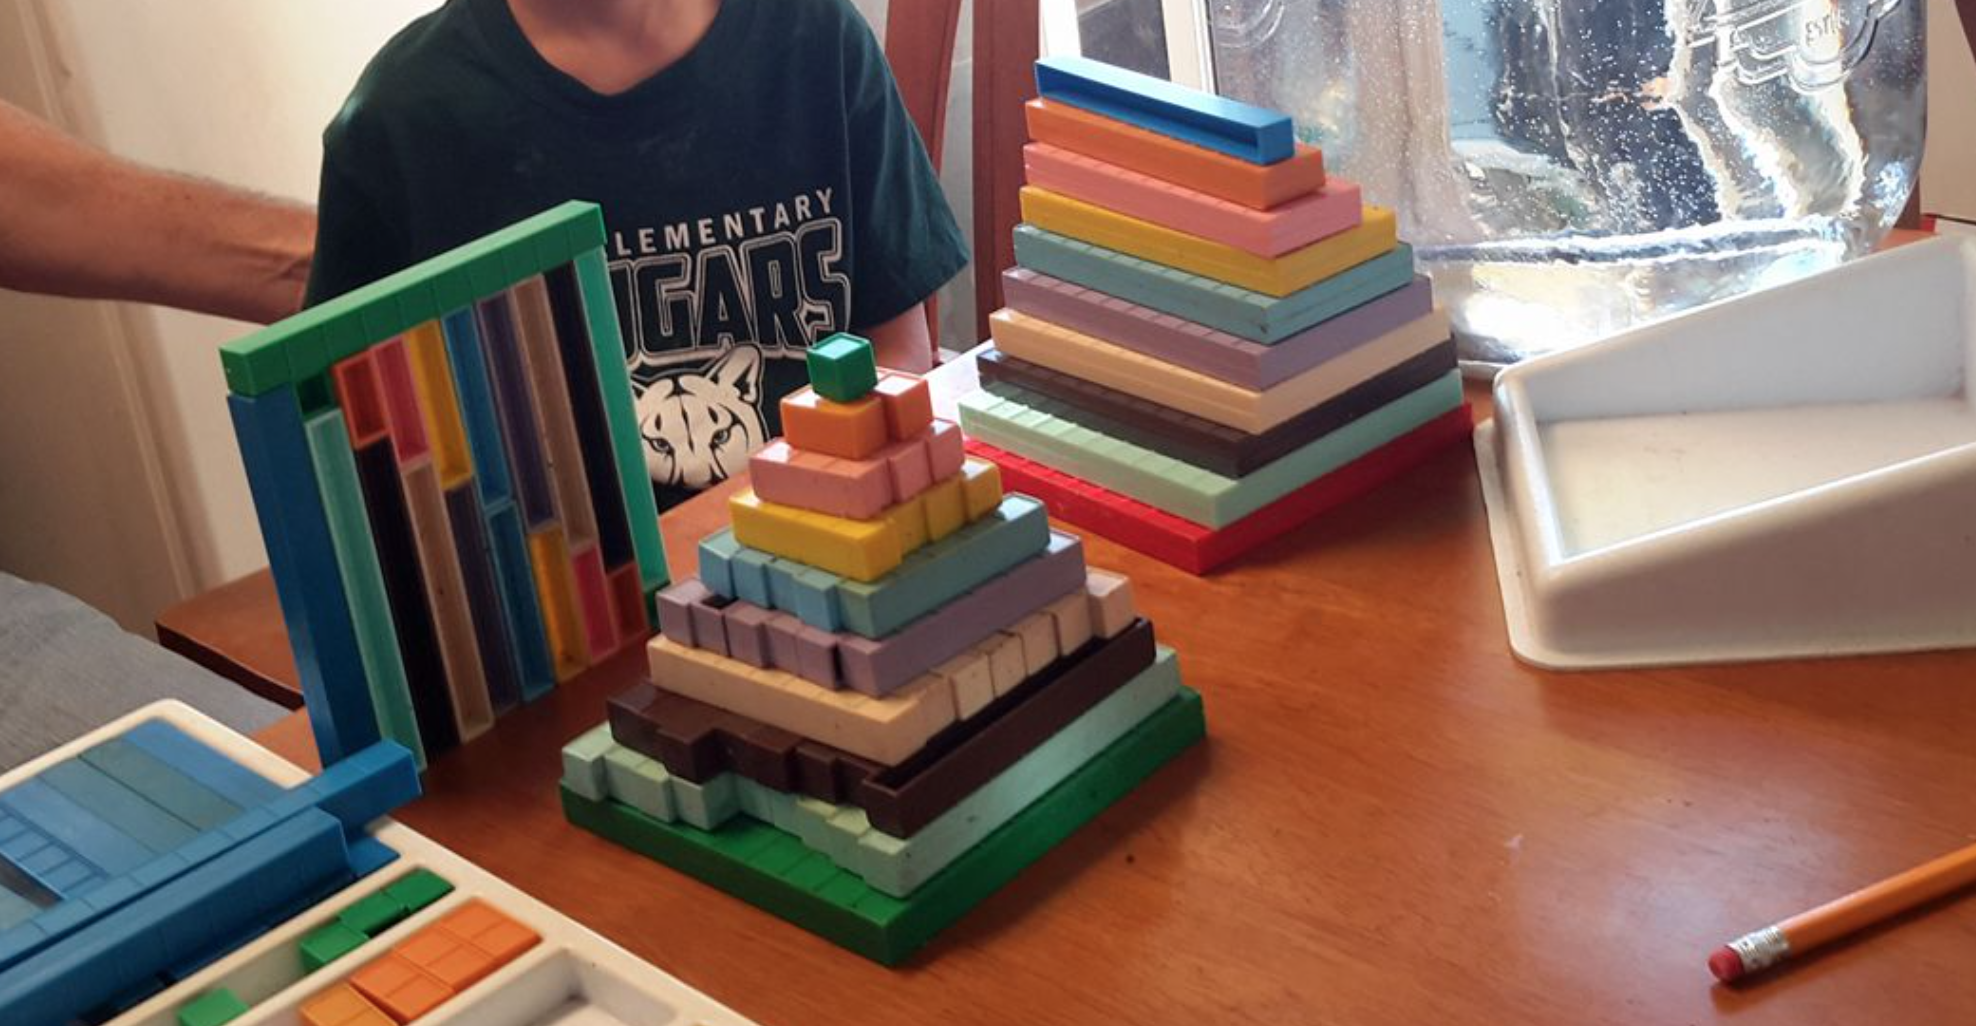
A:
(404, 585)
(490, 626)
(531, 637)
(593, 429)
(475, 394)
(607, 342)
(594, 599)
(275, 449)
(432, 375)
(363, 579)
(552, 410)
(445, 589)
(549, 552)
(505, 365)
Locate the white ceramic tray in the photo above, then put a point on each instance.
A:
(1790, 473)
(572, 978)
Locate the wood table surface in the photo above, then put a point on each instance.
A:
(1392, 821)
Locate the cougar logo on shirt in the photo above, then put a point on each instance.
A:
(700, 425)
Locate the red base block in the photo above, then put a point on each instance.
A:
(1197, 549)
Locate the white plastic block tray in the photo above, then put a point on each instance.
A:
(1791, 473)
(572, 978)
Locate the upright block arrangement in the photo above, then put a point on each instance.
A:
(1207, 342)
(448, 475)
(890, 687)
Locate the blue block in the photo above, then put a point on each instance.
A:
(15, 910)
(118, 805)
(1251, 315)
(519, 603)
(361, 788)
(781, 584)
(190, 756)
(475, 393)
(717, 552)
(816, 598)
(751, 577)
(179, 922)
(186, 799)
(310, 589)
(1255, 134)
(59, 819)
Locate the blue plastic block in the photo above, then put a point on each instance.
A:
(181, 921)
(368, 855)
(717, 552)
(190, 756)
(59, 819)
(307, 583)
(519, 603)
(816, 598)
(361, 788)
(118, 805)
(751, 576)
(949, 568)
(1244, 130)
(782, 583)
(476, 397)
(186, 799)
(15, 910)
(1251, 315)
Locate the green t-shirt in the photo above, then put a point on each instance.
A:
(762, 192)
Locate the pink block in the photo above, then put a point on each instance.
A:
(911, 473)
(945, 449)
(908, 405)
(858, 489)
(1269, 233)
(593, 595)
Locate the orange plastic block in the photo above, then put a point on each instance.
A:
(400, 987)
(341, 1005)
(1260, 186)
(851, 430)
(555, 587)
(362, 399)
(467, 945)
(908, 405)
(628, 606)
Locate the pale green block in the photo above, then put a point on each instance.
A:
(363, 580)
(583, 763)
(847, 825)
(756, 802)
(627, 446)
(640, 782)
(1180, 488)
(812, 823)
(707, 805)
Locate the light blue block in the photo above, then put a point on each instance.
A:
(58, 819)
(937, 574)
(1260, 318)
(1255, 134)
(187, 799)
(816, 598)
(522, 608)
(750, 570)
(781, 584)
(14, 910)
(1180, 488)
(475, 393)
(717, 552)
(188, 755)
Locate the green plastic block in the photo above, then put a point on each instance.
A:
(323, 946)
(849, 912)
(640, 782)
(843, 368)
(627, 445)
(583, 762)
(363, 580)
(1180, 488)
(418, 889)
(213, 1009)
(374, 914)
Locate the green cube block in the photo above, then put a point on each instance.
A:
(843, 368)
(220, 1006)
(375, 914)
(419, 888)
(327, 944)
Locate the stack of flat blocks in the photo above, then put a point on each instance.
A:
(1207, 342)
(449, 479)
(890, 687)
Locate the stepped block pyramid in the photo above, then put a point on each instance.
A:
(1207, 342)
(449, 479)
(890, 687)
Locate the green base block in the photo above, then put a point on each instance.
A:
(776, 872)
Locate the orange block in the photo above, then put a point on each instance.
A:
(555, 586)
(908, 405)
(490, 931)
(395, 984)
(1260, 186)
(467, 945)
(341, 1005)
(851, 430)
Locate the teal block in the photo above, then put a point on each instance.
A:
(717, 552)
(627, 447)
(583, 763)
(781, 584)
(1251, 315)
(161, 785)
(640, 782)
(843, 368)
(750, 570)
(118, 805)
(507, 544)
(935, 575)
(363, 580)
(1180, 488)
(706, 805)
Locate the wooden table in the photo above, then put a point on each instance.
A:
(1393, 821)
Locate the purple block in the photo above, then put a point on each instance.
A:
(880, 667)
(709, 627)
(1198, 347)
(747, 633)
(784, 652)
(816, 656)
(676, 610)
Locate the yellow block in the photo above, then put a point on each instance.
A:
(432, 375)
(1275, 276)
(946, 507)
(981, 487)
(886, 730)
(1079, 355)
(862, 550)
(555, 585)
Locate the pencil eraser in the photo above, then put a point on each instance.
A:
(1725, 964)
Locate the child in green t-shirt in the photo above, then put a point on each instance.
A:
(761, 184)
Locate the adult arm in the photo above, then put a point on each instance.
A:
(75, 221)
(903, 342)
